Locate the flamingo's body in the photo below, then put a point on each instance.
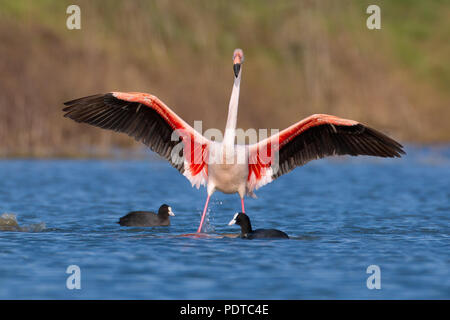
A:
(226, 166)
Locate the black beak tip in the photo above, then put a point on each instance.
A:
(236, 68)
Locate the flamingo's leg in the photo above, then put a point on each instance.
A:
(242, 204)
(203, 215)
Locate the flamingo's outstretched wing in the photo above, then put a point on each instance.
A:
(315, 137)
(147, 119)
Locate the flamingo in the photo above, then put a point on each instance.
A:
(147, 119)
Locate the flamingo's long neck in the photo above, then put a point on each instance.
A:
(230, 129)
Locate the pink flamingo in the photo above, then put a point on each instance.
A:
(148, 119)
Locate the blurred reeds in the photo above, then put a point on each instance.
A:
(301, 57)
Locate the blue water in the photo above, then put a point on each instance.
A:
(343, 214)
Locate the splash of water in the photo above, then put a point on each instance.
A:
(8, 222)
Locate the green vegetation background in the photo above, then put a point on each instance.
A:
(302, 57)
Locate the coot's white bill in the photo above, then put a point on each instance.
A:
(233, 221)
(171, 212)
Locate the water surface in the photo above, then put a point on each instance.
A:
(343, 214)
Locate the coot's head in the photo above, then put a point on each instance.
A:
(165, 210)
(241, 219)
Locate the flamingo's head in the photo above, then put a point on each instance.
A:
(238, 59)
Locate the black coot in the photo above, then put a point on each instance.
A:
(147, 219)
(241, 219)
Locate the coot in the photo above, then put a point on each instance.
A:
(241, 219)
(147, 219)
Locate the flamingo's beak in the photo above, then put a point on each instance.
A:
(236, 68)
(237, 61)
